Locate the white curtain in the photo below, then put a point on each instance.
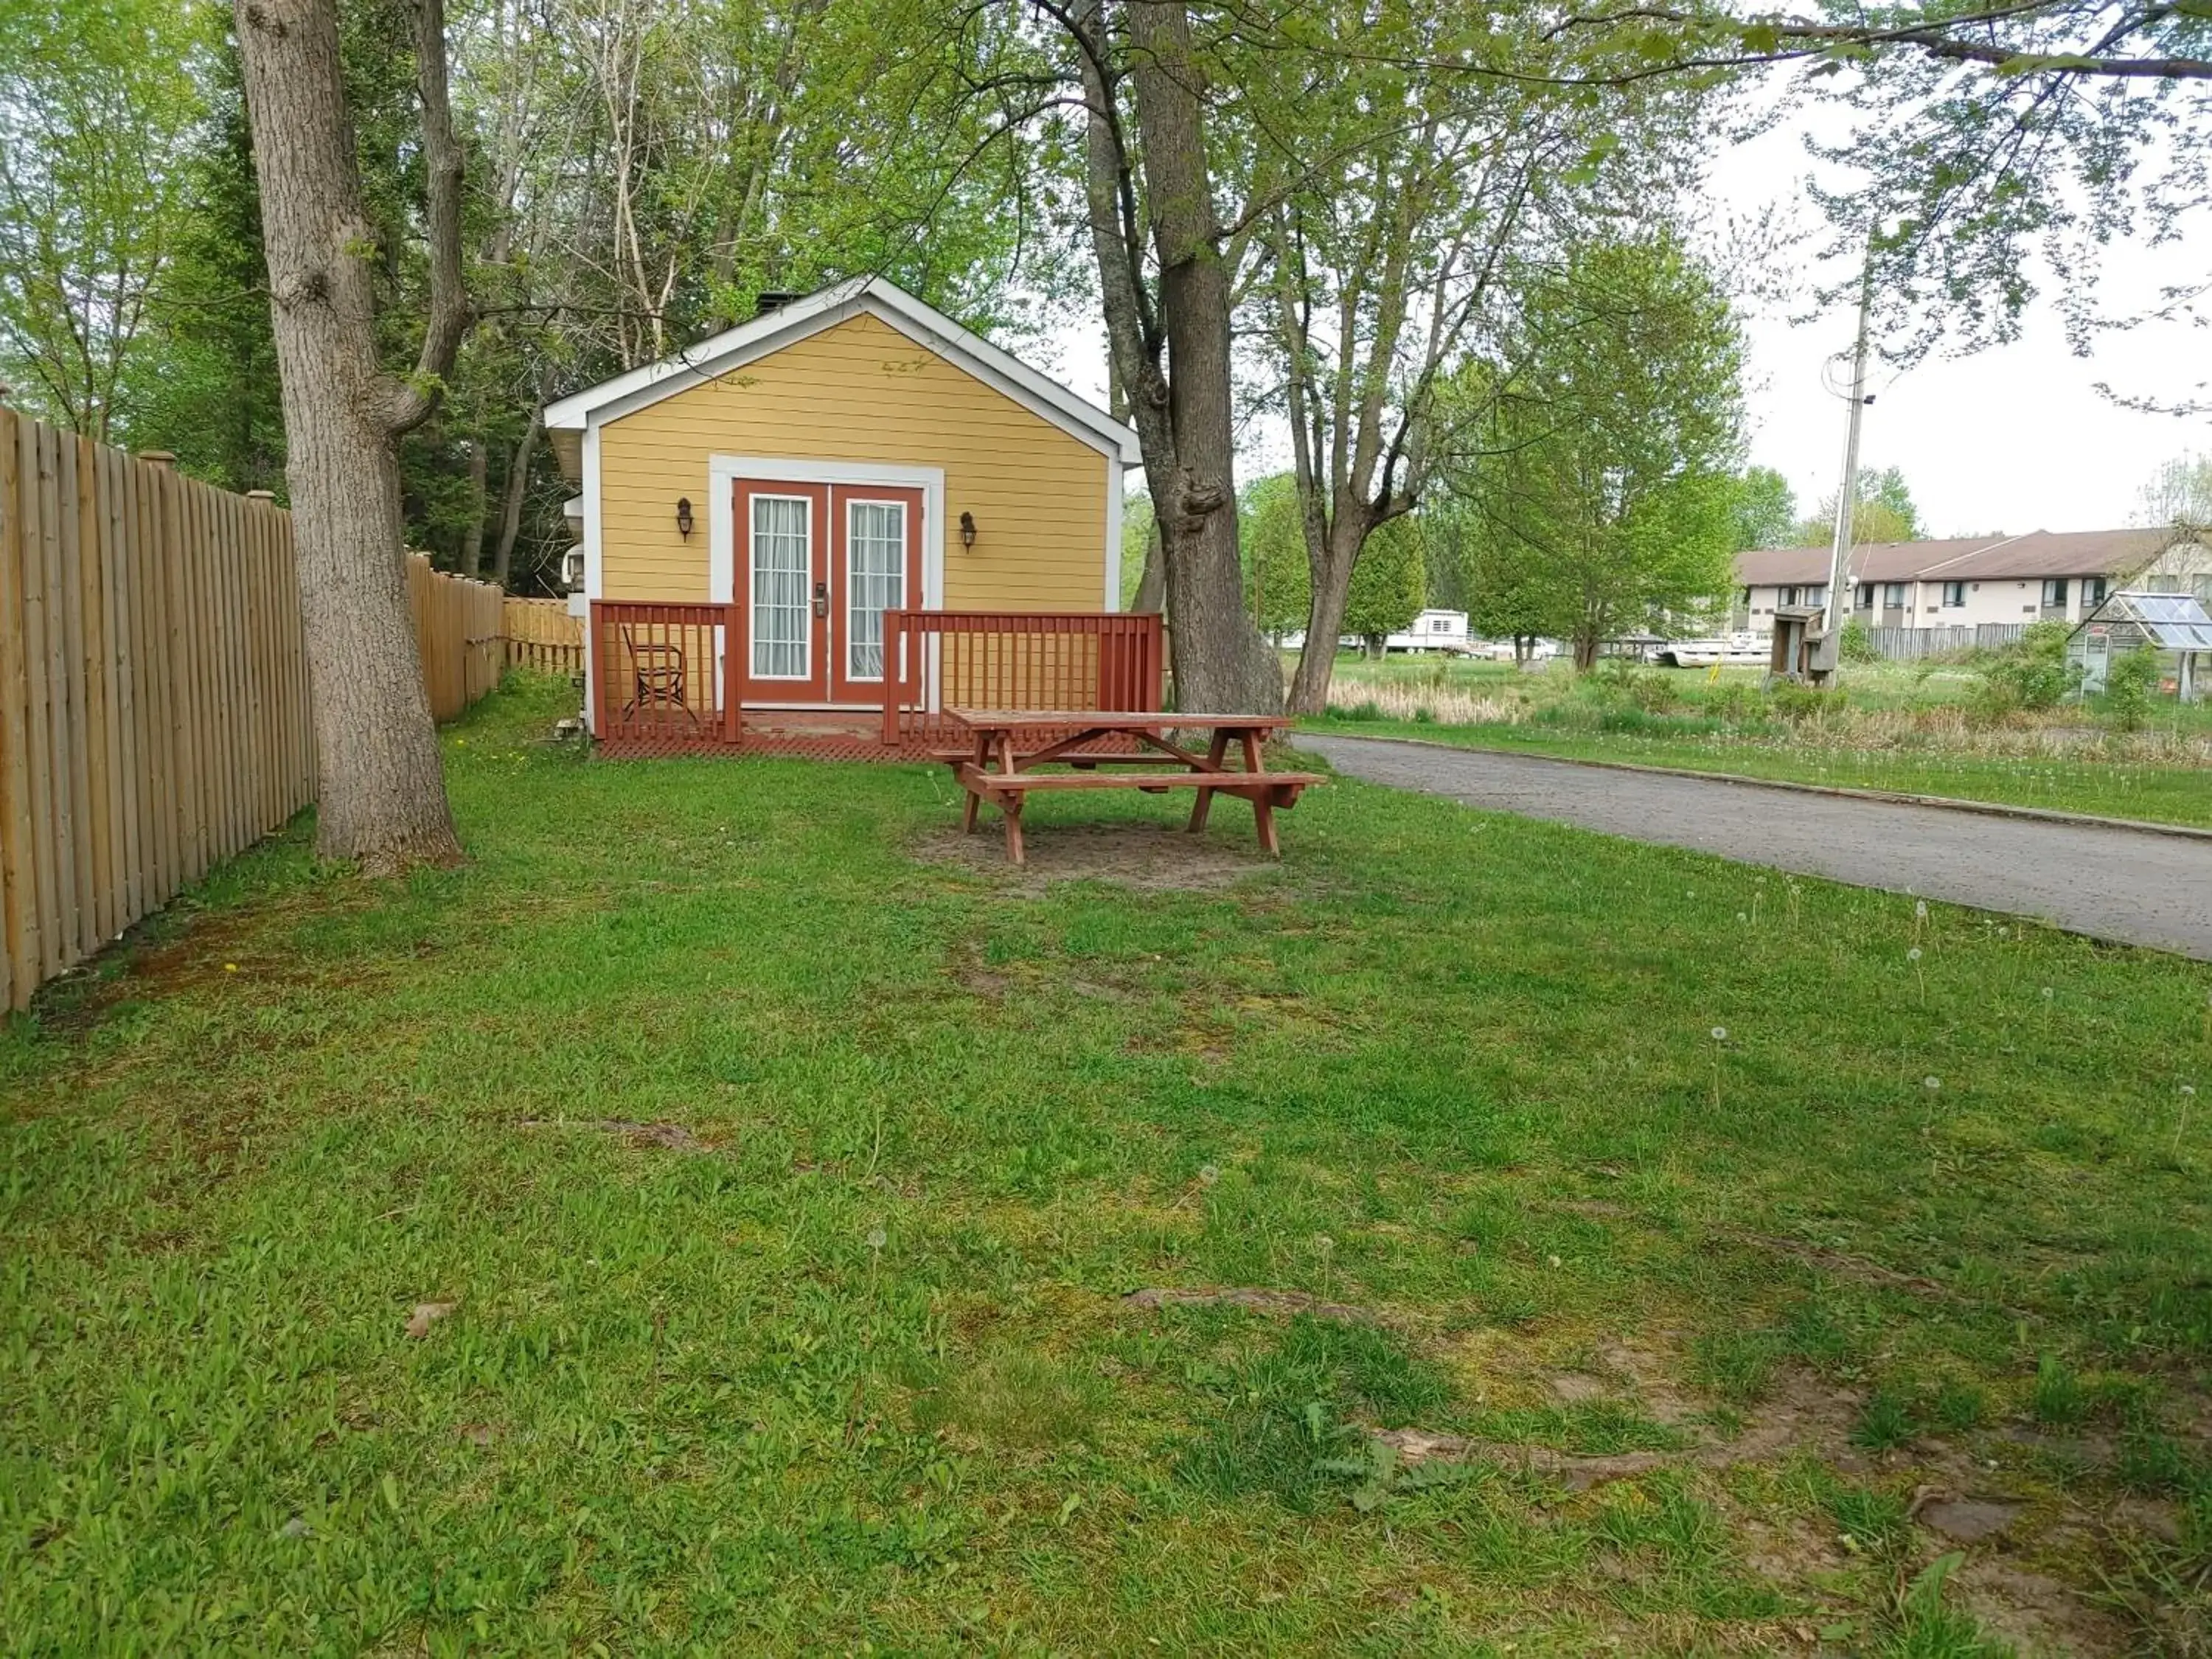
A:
(781, 565)
(875, 545)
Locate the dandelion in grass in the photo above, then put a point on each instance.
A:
(1720, 1041)
(1920, 974)
(1208, 1174)
(2188, 1092)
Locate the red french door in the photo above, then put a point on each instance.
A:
(816, 567)
(875, 559)
(781, 648)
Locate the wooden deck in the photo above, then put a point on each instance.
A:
(659, 672)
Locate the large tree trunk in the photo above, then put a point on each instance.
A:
(381, 785)
(1221, 662)
(1331, 592)
(517, 487)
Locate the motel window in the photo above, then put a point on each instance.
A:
(2093, 590)
(1817, 595)
(1893, 595)
(1789, 596)
(1865, 600)
(1954, 595)
(2054, 591)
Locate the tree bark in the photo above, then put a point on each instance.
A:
(1344, 538)
(517, 487)
(1171, 354)
(1153, 580)
(1221, 662)
(381, 782)
(479, 506)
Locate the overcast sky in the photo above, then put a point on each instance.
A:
(2015, 438)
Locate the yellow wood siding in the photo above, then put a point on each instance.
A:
(862, 392)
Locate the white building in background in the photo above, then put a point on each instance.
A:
(1433, 630)
(1967, 581)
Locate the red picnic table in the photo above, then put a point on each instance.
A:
(999, 769)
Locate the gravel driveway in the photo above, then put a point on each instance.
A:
(2114, 884)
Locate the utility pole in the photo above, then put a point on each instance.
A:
(1828, 651)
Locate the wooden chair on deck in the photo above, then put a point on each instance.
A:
(657, 669)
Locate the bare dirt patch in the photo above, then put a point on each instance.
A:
(1149, 857)
(2038, 1614)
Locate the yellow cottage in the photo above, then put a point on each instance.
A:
(816, 530)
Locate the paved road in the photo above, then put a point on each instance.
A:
(2114, 884)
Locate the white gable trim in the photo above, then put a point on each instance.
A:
(839, 302)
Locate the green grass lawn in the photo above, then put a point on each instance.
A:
(2158, 794)
(1898, 728)
(841, 1355)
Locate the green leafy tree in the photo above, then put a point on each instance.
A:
(1988, 148)
(2130, 682)
(202, 381)
(1766, 509)
(1271, 535)
(1603, 494)
(1388, 583)
(99, 107)
(1884, 511)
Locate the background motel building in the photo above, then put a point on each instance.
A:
(1977, 580)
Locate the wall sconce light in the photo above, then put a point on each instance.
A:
(967, 530)
(683, 517)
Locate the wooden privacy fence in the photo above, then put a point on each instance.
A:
(154, 715)
(1907, 644)
(542, 635)
(457, 630)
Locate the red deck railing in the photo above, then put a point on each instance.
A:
(1013, 660)
(659, 674)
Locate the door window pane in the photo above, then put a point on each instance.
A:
(781, 561)
(875, 581)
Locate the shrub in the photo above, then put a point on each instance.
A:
(2031, 675)
(1799, 703)
(2129, 684)
(1857, 645)
(1647, 688)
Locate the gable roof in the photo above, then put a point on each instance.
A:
(825, 308)
(1975, 558)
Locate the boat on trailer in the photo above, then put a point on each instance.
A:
(1741, 650)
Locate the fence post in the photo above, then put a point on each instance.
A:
(893, 673)
(597, 660)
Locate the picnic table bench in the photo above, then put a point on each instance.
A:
(1001, 765)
